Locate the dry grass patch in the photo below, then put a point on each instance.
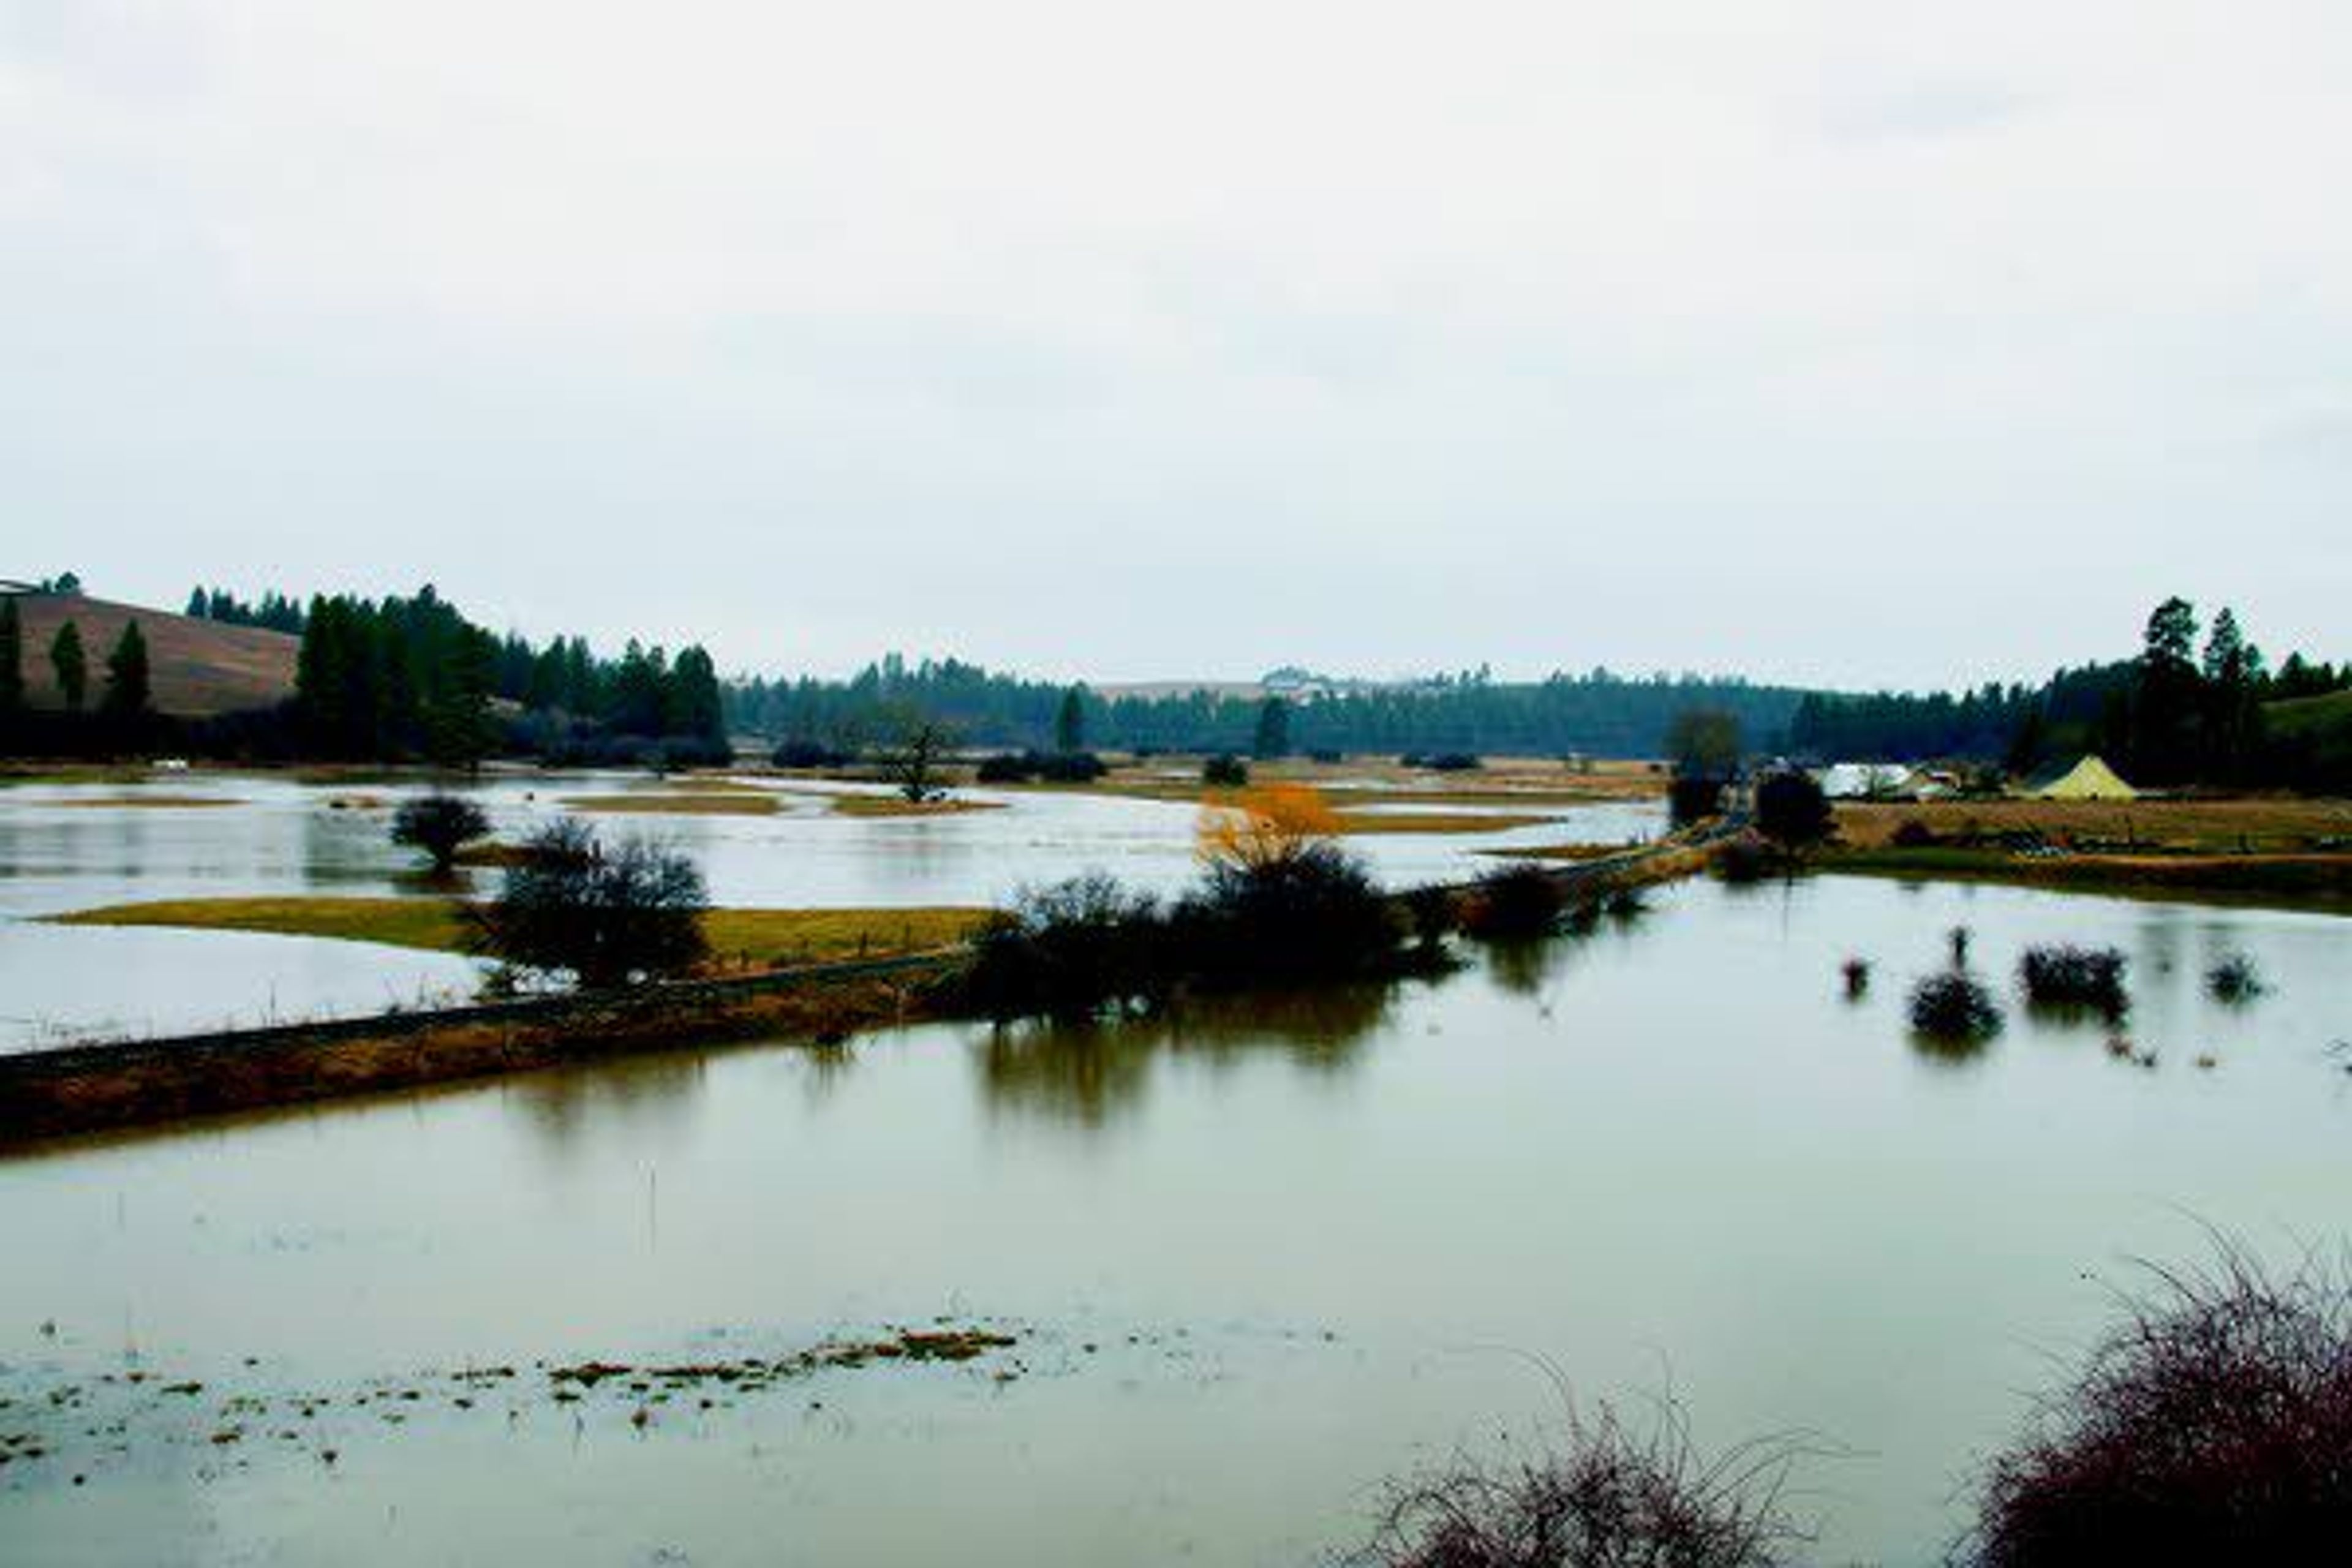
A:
(1353, 824)
(678, 800)
(2212, 827)
(739, 939)
(898, 805)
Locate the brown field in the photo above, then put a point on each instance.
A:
(678, 802)
(898, 805)
(2249, 824)
(157, 802)
(199, 667)
(739, 939)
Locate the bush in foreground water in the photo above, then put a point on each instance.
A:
(2213, 1425)
(1610, 1496)
(1519, 900)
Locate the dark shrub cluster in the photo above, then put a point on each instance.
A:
(1041, 767)
(2063, 976)
(1224, 771)
(1611, 1497)
(2234, 979)
(1913, 834)
(2213, 1426)
(1694, 799)
(1745, 858)
(604, 914)
(807, 753)
(1442, 762)
(1088, 945)
(1792, 810)
(1954, 1007)
(1856, 973)
(440, 825)
(1521, 900)
(1325, 755)
(1071, 949)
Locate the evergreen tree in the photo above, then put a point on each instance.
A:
(1273, 735)
(129, 691)
(2168, 696)
(72, 665)
(1070, 722)
(693, 705)
(12, 657)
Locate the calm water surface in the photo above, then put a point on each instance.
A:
(59, 852)
(1257, 1257)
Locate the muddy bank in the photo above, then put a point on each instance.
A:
(88, 1088)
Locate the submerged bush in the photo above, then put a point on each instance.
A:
(2213, 1425)
(2234, 979)
(2062, 976)
(440, 825)
(1857, 972)
(1953, 1007)
(1522, 899)
(1609, 1497)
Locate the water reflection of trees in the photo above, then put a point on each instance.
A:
(1088, 1073)
(659, 1090)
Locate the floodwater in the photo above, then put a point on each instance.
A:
(1254, 1257)
(67, 848)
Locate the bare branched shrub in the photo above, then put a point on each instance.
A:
(2212, 1425)
(1609, 1495)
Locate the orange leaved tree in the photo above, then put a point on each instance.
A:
(1264, 826)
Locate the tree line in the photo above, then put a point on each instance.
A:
(412, 677)
(2183, 710)
(125, 707)
(1599, 712)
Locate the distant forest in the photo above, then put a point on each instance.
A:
(412, 678)
(1598, 714)
(2177, 713)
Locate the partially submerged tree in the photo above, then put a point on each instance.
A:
(913, 764)
(605, 915)
(440, 825)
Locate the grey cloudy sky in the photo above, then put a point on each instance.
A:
(1871, 343)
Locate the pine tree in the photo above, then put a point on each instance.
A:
(1070, 723)
(1272, 737)
(72, 665)
(129, 691)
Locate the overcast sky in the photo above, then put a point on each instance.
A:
(1861, 343)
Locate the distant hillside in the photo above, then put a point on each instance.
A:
(2331, 714)
(199, 668)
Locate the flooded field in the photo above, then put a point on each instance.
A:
(73, 847)
(1231, 1267)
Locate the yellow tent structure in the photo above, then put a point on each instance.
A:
(2090, 779)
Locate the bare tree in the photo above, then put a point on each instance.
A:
(913, 764)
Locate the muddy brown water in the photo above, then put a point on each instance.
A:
(1254, 1257)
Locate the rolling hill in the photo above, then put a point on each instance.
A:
(199, 668)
